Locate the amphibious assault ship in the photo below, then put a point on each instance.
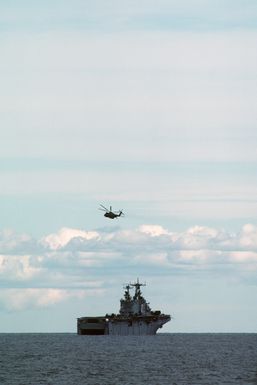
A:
(134, 318)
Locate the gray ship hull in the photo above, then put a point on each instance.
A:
(121, 326)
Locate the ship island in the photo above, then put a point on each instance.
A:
(134, 318)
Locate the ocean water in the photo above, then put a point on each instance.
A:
(164, 359)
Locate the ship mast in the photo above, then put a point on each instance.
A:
(127, 295)
(138, 293)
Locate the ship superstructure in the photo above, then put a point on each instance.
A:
(134, 318)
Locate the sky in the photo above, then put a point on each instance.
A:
(148, 106)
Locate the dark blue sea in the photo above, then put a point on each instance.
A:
(164, 359)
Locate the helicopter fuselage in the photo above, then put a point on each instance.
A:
(111, 215)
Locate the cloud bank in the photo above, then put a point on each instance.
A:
(74, 263)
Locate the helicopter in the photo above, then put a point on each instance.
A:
(111, 214)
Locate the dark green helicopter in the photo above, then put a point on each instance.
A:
(111, 214)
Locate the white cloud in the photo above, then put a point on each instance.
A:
(197, 237)
(73, 263)
(244, 256)
(19, 267)
(20, 299)
(153, 230)
(11, 241)
(159, 259)
(248, 237)
(65, 235)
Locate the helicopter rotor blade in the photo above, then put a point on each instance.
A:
(104, 207)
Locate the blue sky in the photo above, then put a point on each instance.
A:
(148, 106)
